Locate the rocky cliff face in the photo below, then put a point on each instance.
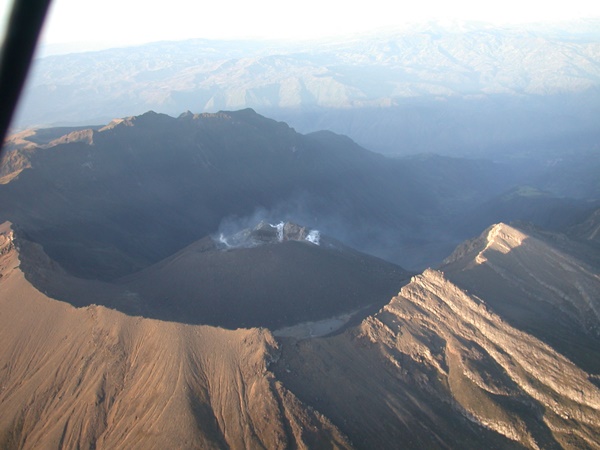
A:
(499, 376)
(445, 357)
(540, 282)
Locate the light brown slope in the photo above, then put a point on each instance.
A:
(16, 154)
(501, 376)
(536, 283)
(96, 378)
(437, 354)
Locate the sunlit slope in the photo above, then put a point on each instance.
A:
(443, 365)
(96, 378)
(536, 282)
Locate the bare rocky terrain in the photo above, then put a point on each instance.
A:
(96, 378)
(442, 364)
(452, 370)
(158, 290)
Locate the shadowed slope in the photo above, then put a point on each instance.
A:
(271, 285)
(105, 203)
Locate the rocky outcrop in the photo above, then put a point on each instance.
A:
(441, 351)
(437, 368)
(491, 369)
(267, 233)
(85, 136)
(537, 282)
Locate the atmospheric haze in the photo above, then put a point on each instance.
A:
(248, 225)
(137, 22)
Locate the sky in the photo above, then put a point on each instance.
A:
(93, 24)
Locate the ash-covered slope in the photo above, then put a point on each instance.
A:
(270, 276)
(471, 363)
(536, 282)
(440, 366)
(96, 378)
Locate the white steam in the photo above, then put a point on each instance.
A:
(279, 228)
(314, 237)
(261, 234)
(223, 240)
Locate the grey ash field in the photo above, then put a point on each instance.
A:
(141, 295)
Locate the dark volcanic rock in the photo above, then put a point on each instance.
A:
(272, 283)
(273, 278)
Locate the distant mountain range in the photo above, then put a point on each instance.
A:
(462, 91)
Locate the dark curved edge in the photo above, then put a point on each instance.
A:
(22, 32)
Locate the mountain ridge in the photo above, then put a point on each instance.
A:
(449, 341)
(439, 365)
(553, 297)
(204, 169)
(384, 90)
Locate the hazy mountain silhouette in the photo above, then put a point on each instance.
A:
(107, 202)
(186, 282)
(462, 89)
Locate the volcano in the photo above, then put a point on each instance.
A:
(270, 276)
(155, 292)
(276, 276)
